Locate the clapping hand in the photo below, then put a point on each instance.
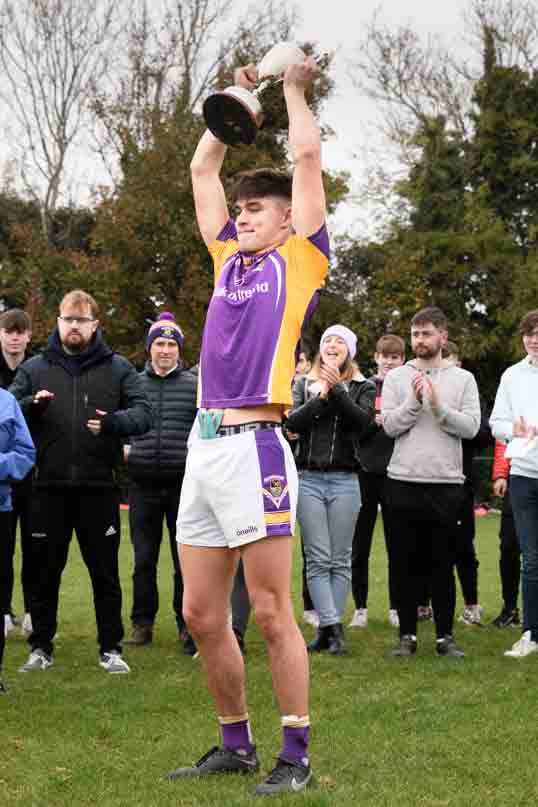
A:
(523, 429)
(329, 375)
(424, 389)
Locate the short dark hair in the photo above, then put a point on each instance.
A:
(529, 322)
(450, 349)
(390, 343)
(262, 182)
(15, 320)
(431, 314)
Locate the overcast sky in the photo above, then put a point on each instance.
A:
(337, 25)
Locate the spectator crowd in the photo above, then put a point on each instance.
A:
(400, 442)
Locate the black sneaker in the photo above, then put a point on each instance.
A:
(407, 646)
(286, 777)
(448, 647)
(219, 760)
(3, 690)
(508, 618)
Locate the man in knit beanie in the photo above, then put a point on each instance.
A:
(156, 464)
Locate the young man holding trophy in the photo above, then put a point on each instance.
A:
(239, 494)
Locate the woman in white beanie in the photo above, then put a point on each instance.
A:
(333, 405)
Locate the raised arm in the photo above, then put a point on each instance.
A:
(209, 198)
(308, 195)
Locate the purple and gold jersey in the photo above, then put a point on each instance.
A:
(255, 318)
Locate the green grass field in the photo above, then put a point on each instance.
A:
(394, 732)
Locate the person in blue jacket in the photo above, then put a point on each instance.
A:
(17, 456)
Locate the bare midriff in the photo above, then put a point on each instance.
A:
(249, 414)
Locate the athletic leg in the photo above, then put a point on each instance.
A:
(208, 574)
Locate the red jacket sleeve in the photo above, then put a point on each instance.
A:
(501, 465)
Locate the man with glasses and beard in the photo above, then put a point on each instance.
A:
(428, 406)
(80, 400)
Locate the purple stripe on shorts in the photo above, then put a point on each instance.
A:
(276, 498)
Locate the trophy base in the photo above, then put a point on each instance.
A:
(229, 119)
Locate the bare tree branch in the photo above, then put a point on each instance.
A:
(51, 53)
(174, 55)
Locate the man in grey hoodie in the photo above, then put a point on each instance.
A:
(428, 406)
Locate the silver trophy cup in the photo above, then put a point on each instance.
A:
(235, 114)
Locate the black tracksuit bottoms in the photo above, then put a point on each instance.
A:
(149, 508)
(373, 494)
(427, 518)
(93, 513)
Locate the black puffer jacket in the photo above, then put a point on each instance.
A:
(329, 428)
(67, 452)
(158, 457)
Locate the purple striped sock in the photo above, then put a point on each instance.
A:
(295, 743)
(236, 736)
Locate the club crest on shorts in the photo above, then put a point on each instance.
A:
(275, 489)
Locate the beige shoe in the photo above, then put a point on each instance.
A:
(140, 634)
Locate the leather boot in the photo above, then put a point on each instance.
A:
(140, 634)
(322, 640)
(337, 645)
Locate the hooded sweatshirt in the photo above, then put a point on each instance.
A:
(517, 396)
(427, 446)
(17, 452)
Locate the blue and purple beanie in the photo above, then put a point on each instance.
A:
(165, 328)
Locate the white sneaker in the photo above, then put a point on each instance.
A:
(26, 626)
(360, 618)
(394, 619)
(113, 663)
(37, 660)
(8, 624)
(311, 618)
(524, 647)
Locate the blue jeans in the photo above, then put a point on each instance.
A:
(524, 497)
(327, 510)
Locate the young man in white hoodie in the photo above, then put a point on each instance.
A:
(515, 415)
(428, 406)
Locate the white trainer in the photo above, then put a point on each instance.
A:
(311, 618)
(524, 647)
(26, 625)
(394, 619)
(360, 618)
(113, 663)
(37, 660)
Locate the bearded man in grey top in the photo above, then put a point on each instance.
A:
(428, 406)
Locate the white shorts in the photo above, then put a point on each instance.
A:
(237, 489)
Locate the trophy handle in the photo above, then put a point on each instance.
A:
(276, 79)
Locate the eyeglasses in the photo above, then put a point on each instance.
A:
(75, 320)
